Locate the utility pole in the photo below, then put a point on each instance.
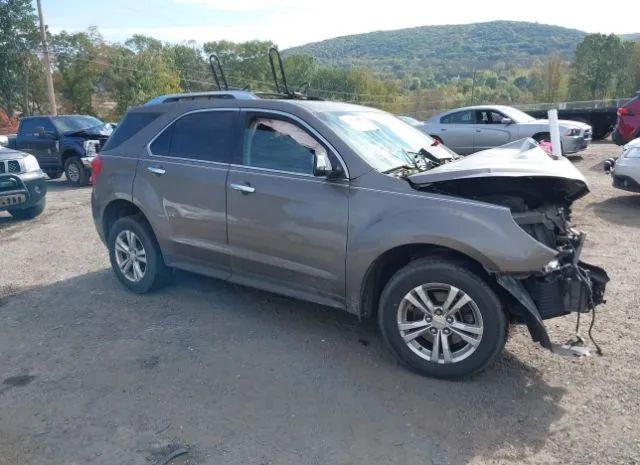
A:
(47, 63)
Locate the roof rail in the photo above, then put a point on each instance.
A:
(211, 95)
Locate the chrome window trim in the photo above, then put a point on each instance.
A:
(309, 129)
(201, 110)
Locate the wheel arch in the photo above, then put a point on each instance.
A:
(119, 208)
(389, 262)
(67, 153)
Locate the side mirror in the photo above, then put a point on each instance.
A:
(322, 165)
(40, 132)
(506, 121)
(4, 141)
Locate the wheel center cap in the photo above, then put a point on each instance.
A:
(439, 322)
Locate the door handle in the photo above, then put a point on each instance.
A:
(443, 129)
(478, 130)
(155, 170)
(243, 188)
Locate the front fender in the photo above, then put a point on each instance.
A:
(380, 221)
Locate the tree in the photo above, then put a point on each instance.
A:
(555, 79)
(596, 67)
(79, 66)
(138, 71)
(18, 40)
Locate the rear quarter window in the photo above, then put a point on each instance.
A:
(128, 127)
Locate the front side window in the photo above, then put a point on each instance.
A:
(460, 117)
(489, 117)
(279, 145)
(205, 136)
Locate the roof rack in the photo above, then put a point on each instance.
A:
(213, 60)
(282, 88)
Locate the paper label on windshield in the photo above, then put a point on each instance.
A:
(358, 123)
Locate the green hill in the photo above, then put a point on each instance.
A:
(445, 50)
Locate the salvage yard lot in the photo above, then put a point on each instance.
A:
(90, 373)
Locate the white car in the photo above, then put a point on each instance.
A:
(471, 129)
(625, 171)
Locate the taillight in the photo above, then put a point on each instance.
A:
(96, 167)
(624, 111)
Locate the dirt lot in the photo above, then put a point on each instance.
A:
(92, 374)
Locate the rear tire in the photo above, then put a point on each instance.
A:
(77, 174)
(480, 320)
(28, 213)
(131, 237)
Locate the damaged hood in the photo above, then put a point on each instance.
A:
(519, 160)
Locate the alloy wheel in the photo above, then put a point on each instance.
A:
(440, 323)
(131, 256)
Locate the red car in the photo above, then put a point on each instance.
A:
(628, 125)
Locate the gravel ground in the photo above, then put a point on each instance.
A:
(90, 373)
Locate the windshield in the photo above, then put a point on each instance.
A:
(517, 116)
(75, 123)
(381, 139)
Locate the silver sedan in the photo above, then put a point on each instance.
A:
(471, 129)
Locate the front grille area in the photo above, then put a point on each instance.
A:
(13, 166)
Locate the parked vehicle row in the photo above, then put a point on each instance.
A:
(471, 129)
(349, 207)
(62, 144)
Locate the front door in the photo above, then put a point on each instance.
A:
(43, 145)
(287, 228)
(489, 130)
(182, 182)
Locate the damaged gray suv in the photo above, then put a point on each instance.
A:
(349, 207)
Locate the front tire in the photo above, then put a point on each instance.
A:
(77, 175)
(441, 320)
(135, 255)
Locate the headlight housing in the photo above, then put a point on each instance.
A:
(91, 147)
(573, 132)
(30, 164)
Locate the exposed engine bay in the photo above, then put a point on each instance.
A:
(542, 207)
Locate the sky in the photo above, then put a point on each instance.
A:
(290, 22)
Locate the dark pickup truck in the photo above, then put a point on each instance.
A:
(62, 144)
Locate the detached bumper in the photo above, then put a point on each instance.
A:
(577, 287)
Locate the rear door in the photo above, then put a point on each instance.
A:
(182, 183)
(457, 131)
(489, 130)
(287, 228)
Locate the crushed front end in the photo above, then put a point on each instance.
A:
(566, 284)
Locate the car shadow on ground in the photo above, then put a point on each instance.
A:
(623, 209)
(239, 373)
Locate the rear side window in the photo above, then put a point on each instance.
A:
(206, 136)
(130, 125)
